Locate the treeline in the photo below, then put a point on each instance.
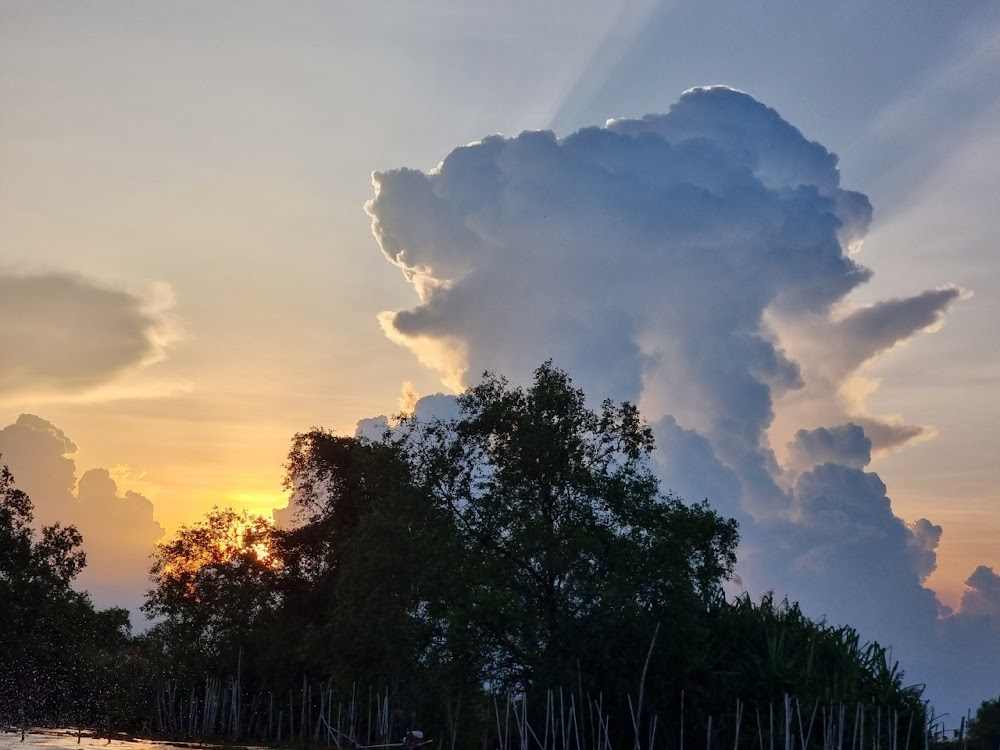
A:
(512, 574)
(61, 661)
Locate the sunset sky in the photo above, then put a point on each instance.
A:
(188, 275)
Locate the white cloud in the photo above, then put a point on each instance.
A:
(699, 262)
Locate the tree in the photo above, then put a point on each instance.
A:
(364, 561)
(522, 545)
(51, 639)
(214, 583)
(570, 554)
(984, 729)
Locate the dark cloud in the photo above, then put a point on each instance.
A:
(982, 595)
(871, 330)
(686, 463)
(922, 544)
(888, 435)
(845, 555)
(64, 334)
(846, 444)
(41, 453)
(119, 531)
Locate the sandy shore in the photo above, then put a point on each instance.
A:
(66, 739)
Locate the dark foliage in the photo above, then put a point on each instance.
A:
(523, 548)
(984, 728)
(60, 659)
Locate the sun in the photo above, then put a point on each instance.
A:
(224, 538)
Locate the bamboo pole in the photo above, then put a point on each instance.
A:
(788, 722)
(682, 720)
(302, 717)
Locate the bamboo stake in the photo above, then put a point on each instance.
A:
(788, 722)
(642, 684)
(562, 722)
(329, 708)
(805, 740)
(351, 708)
(573, 721)
(496, 713)
(319, 715)
(682, 719)
(548, 704)
(506, 726)
(302, 718)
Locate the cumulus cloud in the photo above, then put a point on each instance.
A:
(119, 530)
(923, 542)
(686, 463)
(981, 597)
(845, 554)
(408, 398)
(699, 262)
(63, 334)
(836, 352)
(845, 444)
(638, 256)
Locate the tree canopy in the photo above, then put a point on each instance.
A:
(568, 554)
(54, 646)
(984, 728)
(520, 546)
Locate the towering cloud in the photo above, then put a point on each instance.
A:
(700, 263)
(119, 531)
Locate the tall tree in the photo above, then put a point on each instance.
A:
(364, 560)
(570, 553)
(52, 642)
(984, 729)
(214, 584)
(522, 545)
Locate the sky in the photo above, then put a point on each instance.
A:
(189, 274)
